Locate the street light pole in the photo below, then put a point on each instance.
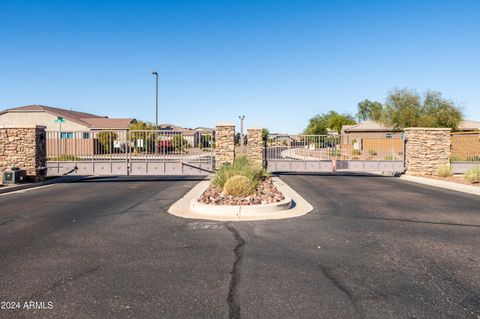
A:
(156, 99)
(241, 117)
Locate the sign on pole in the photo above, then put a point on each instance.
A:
(60, 120)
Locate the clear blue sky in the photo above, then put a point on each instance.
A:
(278, 62)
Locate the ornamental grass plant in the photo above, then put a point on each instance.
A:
(472, 175)
(243, 167)
(239, 186)
(445, 171)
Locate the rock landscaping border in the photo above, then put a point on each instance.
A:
(293, 205)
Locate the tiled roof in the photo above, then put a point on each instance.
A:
(171, 127)
(86, 119)
(106, 123)
(372, 126)
(469, 125)
(367, 126)
(202, 128)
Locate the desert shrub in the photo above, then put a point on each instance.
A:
(445, 171)
(106, 139)
(356, 152)
(334, 152)
(455, 158)
(239, 185)
(473, 158)
(62, 158)
(241, 166)
(473, 174)
(372, 152)
(180, 144)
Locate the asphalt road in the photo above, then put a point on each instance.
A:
(374, 247)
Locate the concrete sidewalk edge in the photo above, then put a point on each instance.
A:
(442, 184)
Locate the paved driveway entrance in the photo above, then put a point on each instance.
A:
(374, 247)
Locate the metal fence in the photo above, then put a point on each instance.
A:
(302, 147)
(465, 147)
(465, 151)
(328, 152)
(326, 147)
(130, 152)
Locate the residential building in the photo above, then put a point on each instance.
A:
(72, 120)
(68, 130)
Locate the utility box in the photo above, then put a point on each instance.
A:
(14, 175)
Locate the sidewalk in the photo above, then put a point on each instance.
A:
(442, 184)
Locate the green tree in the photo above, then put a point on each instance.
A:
(406, 108)
(321, 123)
(443, 112)
(106, 139)
(205, 141)
(140, 130)
(180, 143)
(265, 133)
(369, 110)
(141, 125)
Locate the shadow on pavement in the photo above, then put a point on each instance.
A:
(338, 173)
(130, 179)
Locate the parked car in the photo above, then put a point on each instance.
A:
(165, 146)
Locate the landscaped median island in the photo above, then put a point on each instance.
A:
(241, 183)
(241, 191)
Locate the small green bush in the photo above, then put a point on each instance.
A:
(455, 158)
(239, 185)
(388, 157)
(336, 153)
(62, 158)
(445, 171)
(372, 152)
(241, 166)
(473, 158)
(356, 152)
(473, 174)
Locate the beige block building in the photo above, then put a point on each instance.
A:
(32, 115)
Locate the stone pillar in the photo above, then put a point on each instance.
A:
(23, 147)
(255, 145)
(426, 150)
(224, 144)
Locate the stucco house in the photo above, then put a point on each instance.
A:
(192, 136)
(73, 120)
(76, 134)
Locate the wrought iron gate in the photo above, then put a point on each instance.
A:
(127, 152)
(327, 153)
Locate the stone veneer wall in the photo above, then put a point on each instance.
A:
(426, 149)
(224, 144)
(23, 147)
(255, 145)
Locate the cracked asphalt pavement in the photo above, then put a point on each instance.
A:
(374, 247)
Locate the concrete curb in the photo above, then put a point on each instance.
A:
(442, 184)
(237, 211)
(293, 206)
(62, 179)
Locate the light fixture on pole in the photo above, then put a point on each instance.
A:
(156, 99)
(241, 117)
